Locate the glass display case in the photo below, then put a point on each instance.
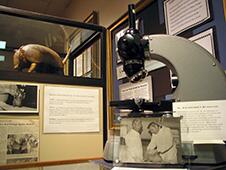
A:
(43, 50)
(76, 48)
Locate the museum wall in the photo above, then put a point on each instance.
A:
(51, 146)
(108, 11)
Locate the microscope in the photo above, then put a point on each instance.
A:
(197, 71)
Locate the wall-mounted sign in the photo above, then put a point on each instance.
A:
(181, 15)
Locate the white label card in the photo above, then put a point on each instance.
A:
(202, 120)
(71, 109)
(181, 15)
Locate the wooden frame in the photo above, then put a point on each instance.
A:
(224, 2)
(47, 163)
(122, 20)
(92, 18)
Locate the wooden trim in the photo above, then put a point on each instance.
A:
(109, 78)
(46, 163)
(92, 18)
(224, 3)
(118, 23)
(141, 5)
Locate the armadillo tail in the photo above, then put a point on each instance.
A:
(66, 57)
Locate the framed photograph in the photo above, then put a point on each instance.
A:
(153, 140)
(182, 15)
(19, 98)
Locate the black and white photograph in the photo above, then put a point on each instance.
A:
(19, 140)
(150, 140)
(18, 98)
(21, 143)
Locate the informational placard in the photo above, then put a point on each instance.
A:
(120, 72)
(142, 89)
(88, 60)
(202, 120)
(71, 109)
(78, 63)
(181, 15)
(19, 140)
(151, 65)
(206, 40)
(118, 35)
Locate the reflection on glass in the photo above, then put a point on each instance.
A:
(17, 32)
(87, 64)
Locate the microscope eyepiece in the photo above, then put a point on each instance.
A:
(131, 50)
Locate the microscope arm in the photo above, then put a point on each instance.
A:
(200, 75)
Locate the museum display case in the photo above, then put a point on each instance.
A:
(155, 81)
(51, 66)
(65, 39)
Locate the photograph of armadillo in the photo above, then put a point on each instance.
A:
(18, 98)
(38, 58)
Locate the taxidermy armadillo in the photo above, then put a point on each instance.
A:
(38, 58)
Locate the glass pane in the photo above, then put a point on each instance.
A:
(32, 37)
(87, 64)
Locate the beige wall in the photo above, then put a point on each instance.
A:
(61, 146)
(109, 10)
